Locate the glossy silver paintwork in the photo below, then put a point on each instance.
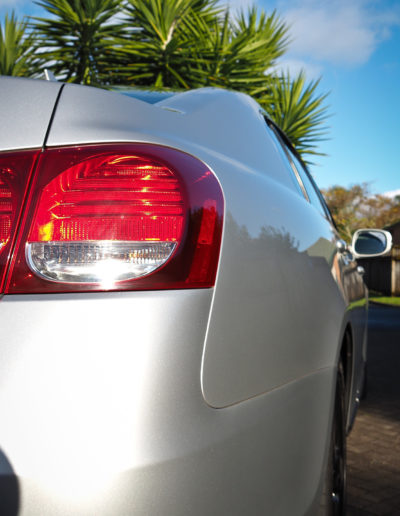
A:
(100, 412)
(25, 111)
(215, 401)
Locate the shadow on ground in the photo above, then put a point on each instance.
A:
(374, 444)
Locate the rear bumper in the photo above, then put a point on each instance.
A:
(102, 413)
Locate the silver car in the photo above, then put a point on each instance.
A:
(182, 331)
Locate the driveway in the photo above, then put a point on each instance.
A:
(374, 443)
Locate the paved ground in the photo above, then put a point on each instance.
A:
(374, 444)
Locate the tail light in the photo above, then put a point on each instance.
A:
(118, 217)
(108, 218)
(15, 171)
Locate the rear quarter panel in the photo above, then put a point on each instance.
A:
(280, 306)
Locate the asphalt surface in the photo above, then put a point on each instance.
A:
(373, 453)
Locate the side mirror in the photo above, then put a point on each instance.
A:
(368, 243)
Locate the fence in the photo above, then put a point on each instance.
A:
(383, 274)
(395, 283)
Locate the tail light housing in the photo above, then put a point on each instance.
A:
(15, 172)
(118, 217)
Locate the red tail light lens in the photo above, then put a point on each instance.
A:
(15, 171)
(117, 217)
(105, 219)
(7, 211)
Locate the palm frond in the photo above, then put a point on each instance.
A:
(18, 49)
(297, 108)
(78, 37)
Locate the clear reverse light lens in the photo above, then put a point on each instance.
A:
(97, 262)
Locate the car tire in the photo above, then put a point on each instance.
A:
(334, 493)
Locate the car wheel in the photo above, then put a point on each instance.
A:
(337, 459)
(333, 501)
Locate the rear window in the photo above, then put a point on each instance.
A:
(149, 96)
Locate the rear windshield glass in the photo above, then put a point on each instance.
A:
(152, 97)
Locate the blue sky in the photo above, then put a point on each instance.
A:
(354, 45)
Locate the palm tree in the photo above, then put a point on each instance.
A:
(162, 46)
(192, 43)
(238, 52)
(78, 37)
(17, 49)
(298, 110)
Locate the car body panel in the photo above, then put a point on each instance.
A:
(27, 112)
(258, 336)
(95, 425)
(97, 399)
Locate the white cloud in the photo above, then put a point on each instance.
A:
(339, 31)
(295, 66)
(336, 36)
(392, 194)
